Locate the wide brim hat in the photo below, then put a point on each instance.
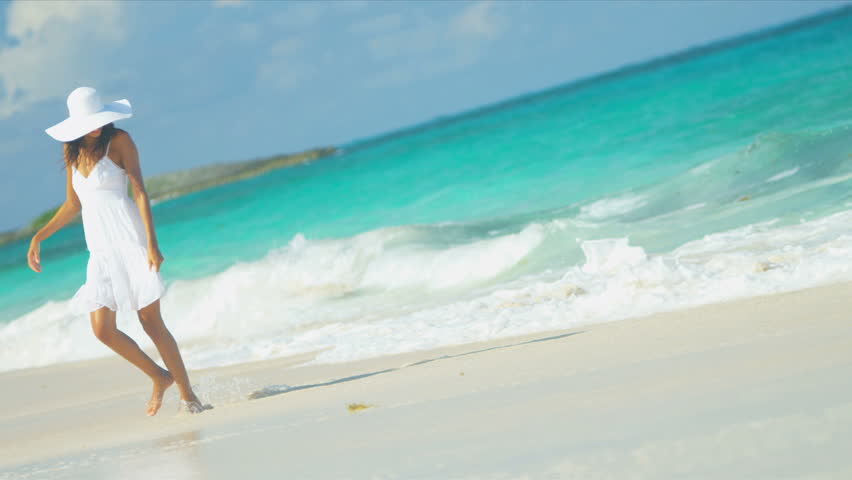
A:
(86, 112)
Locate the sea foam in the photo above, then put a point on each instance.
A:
(367, 295)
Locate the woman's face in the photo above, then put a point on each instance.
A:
(94, 134)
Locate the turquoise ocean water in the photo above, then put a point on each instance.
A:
(698, 178)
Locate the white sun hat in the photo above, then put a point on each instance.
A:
(86, 112)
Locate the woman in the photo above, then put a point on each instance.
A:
(123, 271)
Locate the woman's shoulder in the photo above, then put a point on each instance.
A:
(121, 147)
(121, 140)
(121, 135)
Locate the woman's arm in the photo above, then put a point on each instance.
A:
(69, 209)
(130, 162)
(126, 149)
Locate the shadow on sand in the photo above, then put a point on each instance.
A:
(273, 390)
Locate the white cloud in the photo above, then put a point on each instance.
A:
(404, 47)
(282, 70)
(478, 20)
(300, 15)
(432, 47)
(228, 3)
(60, 45)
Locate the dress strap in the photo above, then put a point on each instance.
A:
(107, 149)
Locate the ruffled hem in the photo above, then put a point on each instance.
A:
(119, 279)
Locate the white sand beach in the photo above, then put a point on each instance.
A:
(755, 388)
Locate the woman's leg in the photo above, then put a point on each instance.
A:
(103, 324)
(152, 322)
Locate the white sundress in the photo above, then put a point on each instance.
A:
(117, 274)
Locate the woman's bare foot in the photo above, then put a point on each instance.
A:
(192, 404)
(160, 386)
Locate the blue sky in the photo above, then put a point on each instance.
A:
(226, 80)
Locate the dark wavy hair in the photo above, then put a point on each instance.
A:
(71, 150)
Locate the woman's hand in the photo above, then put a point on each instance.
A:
(155, 258)
(34, 256)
